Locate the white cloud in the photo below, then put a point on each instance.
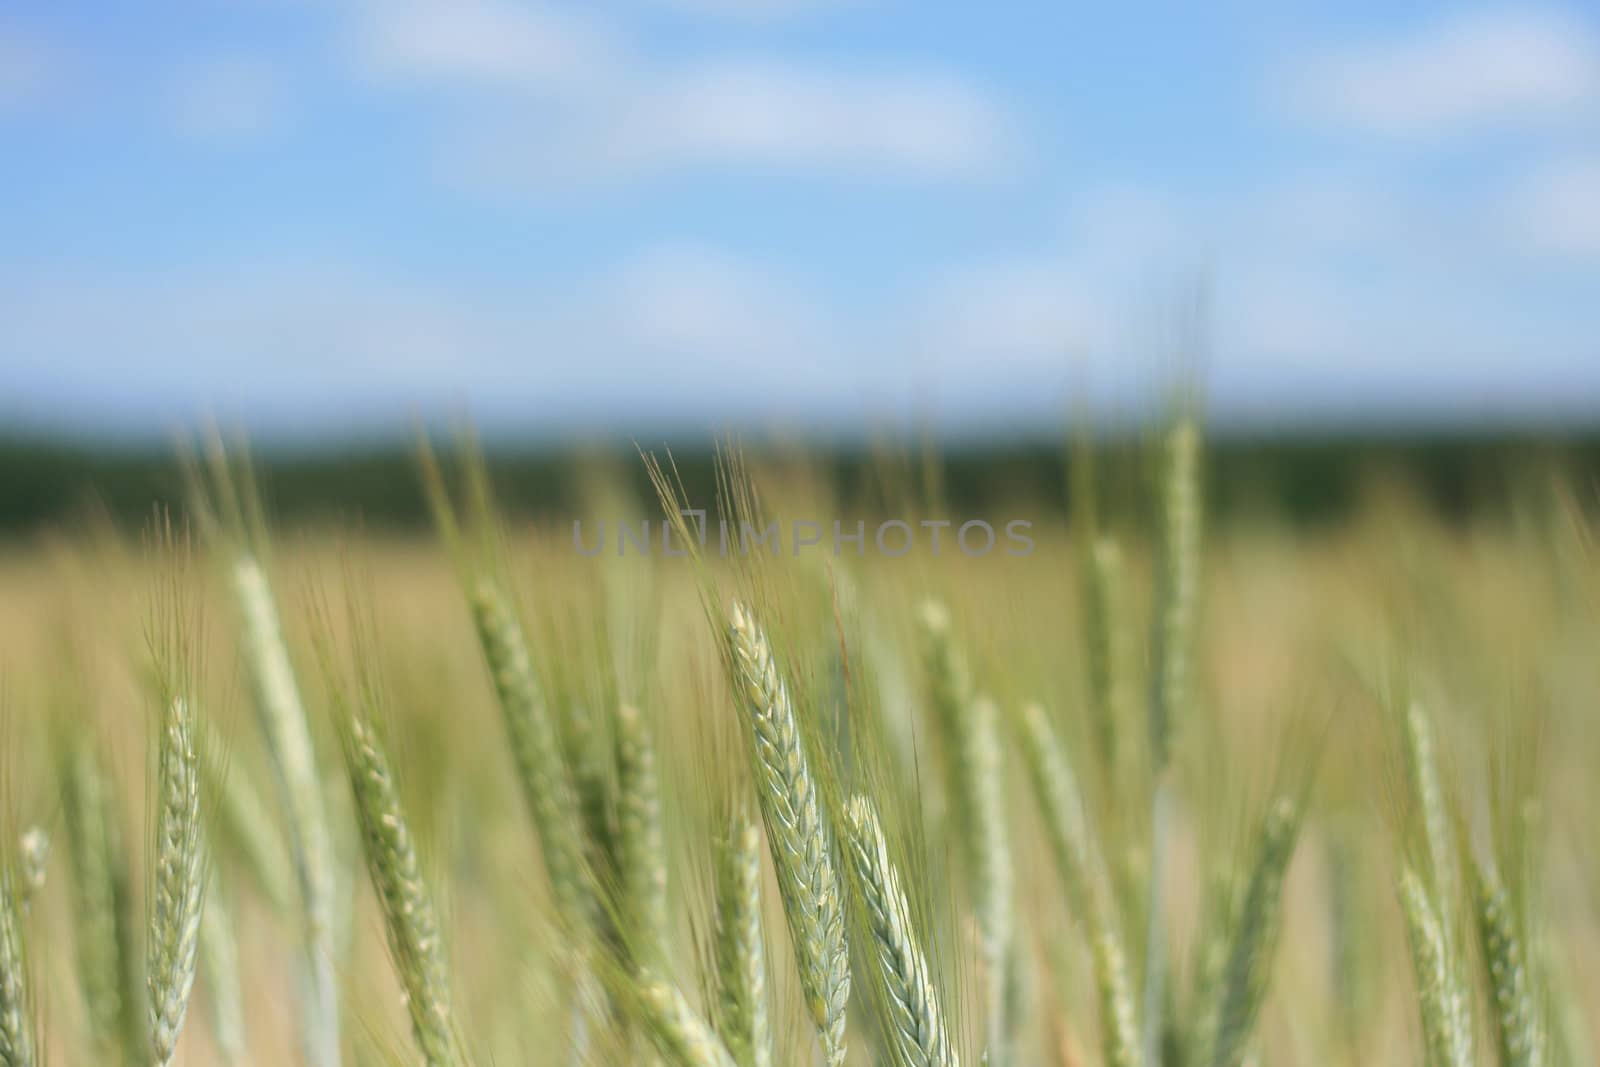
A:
(675, 332)
(688, 333)
(564, 98)
(484, 44)
(1473, 70)
(1124, 226)
(1326, 210)
(679, 333)
(1329, 295)
(196, 332)
(1295, 317)
(753, 116)
(769, 114)
(229, 100)
(1556, 209)
(703, 303)
(1017, 312)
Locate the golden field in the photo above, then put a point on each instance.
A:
(1309, 648)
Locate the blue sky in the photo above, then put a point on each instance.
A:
(314, 217)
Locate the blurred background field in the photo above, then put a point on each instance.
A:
(1483, 596)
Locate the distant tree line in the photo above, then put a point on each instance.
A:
(1301, 480)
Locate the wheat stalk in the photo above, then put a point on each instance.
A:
(1060, 801)
(901, 980)
(642, 850)
(1253, 939)
(178, 891)
(219, 965)
(1177, 596)
(1349, 965)
(1515, 1014)
(396, 874)
(798, 835)
(18, 1045)
(283, 721)
(990, 841)
(1422, 770)
(103, 923)
(1077, 859)
(975, 766)
(1221, 904)
(1178, 587)
(1110, 653)
(593, 751)
(1119, 1020)
(542, 772)
(593, 755)
(741, 1015)
(1428, 900)
(675, 1027)
(245, 822)
(1446, 1025)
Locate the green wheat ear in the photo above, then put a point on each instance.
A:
(797, 833)
(225, 502)
(1178, 588)
(1252, 940)
(18, 1045)
(1110, 655)
(1513, 1005)
(740, 949)
(975, 765)
(1422, 770)
(105, 929)
(1441, 1000)
(641, 839)
(1171, 689)
(288, 733)
(902, 985)
(1078, 861)
(1428, 900)
(178, 888)
(415, 945)
(542, 772)
(677, 1030)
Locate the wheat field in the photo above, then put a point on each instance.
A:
(1148, 793)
